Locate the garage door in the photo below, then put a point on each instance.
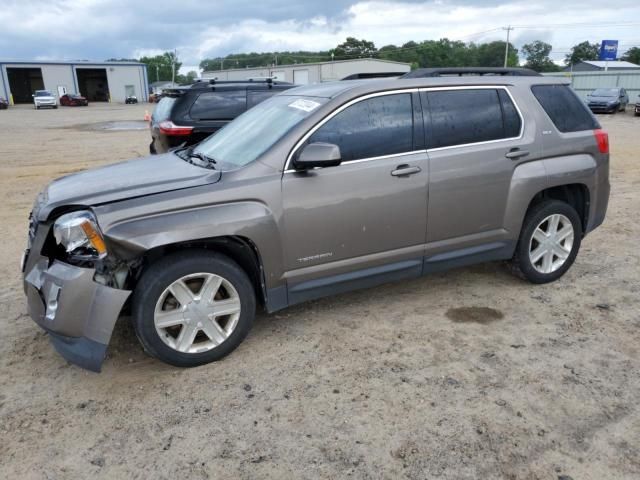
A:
(278, 75)
(301, 77)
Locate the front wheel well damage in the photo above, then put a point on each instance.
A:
(574, 194)
(239, 249)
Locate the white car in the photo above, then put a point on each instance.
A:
(44, 98)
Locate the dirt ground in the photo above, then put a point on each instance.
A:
(467, 374)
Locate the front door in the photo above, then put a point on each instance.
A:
(364, 220)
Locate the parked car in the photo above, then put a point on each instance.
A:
(315, 191)
(188, 115)
(73, 100)
(636, 111)
(608, 100)
(3, 104)
(44, 98)
(130, 100)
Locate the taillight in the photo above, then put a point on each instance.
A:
(602, 139)
(169, 128)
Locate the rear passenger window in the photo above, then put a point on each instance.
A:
(567, 112)
(219, 105)
(460, 117)
(371, 128)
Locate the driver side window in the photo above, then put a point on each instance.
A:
(371, 128)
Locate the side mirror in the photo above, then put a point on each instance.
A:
(318, 155)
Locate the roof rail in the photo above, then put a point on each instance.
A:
(462, 71)
(215, 81)
(361, 76)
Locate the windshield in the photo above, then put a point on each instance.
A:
(251, 134)
(42, 93)
(605, 92)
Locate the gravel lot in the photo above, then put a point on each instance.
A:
(467, 374)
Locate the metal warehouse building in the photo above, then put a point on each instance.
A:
(98, 82)
(586, 82)
(303, 73)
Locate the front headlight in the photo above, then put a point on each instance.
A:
(79, 234)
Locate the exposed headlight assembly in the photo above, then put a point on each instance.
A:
(79, 234)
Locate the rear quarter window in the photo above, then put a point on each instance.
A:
(163, 109)
(567, 112)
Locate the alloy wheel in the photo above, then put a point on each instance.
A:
(551, 243)
(197, 312)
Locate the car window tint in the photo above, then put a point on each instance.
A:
(254, 97)
(371, 128)
(510, 117)
(219, 105)
(567, 112)
(459, 117)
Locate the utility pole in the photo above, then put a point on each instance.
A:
(221, 63)
(173, 66)
(506, 47)
(157, 72)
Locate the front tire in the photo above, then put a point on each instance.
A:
(192, 308)
(548, 243)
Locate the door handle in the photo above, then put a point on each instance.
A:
(404, 169)
(516, 153)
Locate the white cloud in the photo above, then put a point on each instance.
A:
(100, 29)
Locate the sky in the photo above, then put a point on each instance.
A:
(101, 29)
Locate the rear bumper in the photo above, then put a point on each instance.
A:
(78, 312)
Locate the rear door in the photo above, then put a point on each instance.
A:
(475, 139)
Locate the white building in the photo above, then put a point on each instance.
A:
(98, 81)
(304, 73)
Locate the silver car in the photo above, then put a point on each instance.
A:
(318, 190)
(44, 98)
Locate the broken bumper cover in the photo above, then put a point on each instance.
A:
(78, 313)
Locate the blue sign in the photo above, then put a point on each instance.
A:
(608, 50)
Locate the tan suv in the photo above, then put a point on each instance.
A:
(318, 190)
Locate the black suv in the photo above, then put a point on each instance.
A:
(188, 115)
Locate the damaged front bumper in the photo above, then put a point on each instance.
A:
(78, 312)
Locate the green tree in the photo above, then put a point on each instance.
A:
(582, 51)
(632, 55)
(160, 66)
(265, 59)
(537, 55)
(492, 55)
(354, 48)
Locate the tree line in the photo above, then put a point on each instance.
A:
(428, 53)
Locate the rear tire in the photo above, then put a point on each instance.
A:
(192, 308)
(542, 254)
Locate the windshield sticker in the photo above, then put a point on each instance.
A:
(303, 104)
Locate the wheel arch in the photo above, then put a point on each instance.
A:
(241, 250)
(575, 194)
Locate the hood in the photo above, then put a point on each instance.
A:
(602, 99)
(133, 178)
